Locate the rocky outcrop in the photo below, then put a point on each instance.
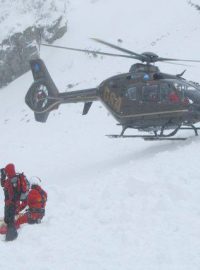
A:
(194, 5)
(18, 49)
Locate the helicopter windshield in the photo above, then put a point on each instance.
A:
(189, 90)
(169, 92)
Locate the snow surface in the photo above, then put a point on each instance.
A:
(113, 204)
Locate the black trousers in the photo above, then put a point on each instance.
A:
(9, 214)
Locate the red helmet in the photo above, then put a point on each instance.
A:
(10, 170)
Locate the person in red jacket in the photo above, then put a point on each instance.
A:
(15, 186)
(173, 97)
(35, 203)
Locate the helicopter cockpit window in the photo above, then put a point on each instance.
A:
(174, 93)
(182, 93)
(190, 87)
(192, 93)
(179, 87)
(132, 93)
(150, 93)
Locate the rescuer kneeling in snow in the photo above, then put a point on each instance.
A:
(35, 203)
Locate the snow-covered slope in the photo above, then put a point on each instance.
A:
(16, 16)
(115, 204)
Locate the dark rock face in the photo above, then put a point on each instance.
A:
(16, 51)
(194, 5)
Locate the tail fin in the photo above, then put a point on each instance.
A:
(42, 96)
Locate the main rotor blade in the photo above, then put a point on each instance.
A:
(116, 47)
(89, 51)
(177, 64)
(161, 59)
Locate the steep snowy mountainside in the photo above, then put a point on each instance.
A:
(16, 16)
(113, 204)
(22, 25)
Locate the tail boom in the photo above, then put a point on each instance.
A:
(43, 95)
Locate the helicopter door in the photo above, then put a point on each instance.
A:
(130, 104)
(150, 99)
(151, 93)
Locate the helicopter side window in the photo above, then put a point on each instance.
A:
(132, 93)
(165, 89)
(171, 93)
(150, 93)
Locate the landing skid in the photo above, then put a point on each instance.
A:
(147, 138)
(158, 136)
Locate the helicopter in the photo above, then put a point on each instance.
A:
(145, 99)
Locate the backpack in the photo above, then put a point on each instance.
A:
(43, 195)
(20, 186)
